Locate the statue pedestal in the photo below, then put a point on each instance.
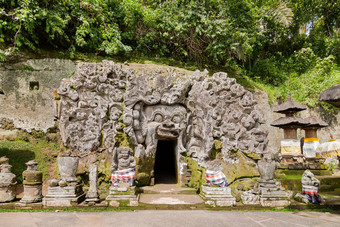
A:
(218, 196)
(273, 195)
(64, 196)
(7, 192)
(120, 193)
(269, 193)
(32, 194)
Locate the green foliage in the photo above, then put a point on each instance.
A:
(272, 42)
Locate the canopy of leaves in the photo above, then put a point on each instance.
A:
(271, 41)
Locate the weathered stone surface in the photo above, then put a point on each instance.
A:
(65, 191)
(116, 194)
(7, 181)
(105, 101)
(68, 168)
(32, 180)
(92, 195)
(219, 196)
(308, 178)
(27, 88)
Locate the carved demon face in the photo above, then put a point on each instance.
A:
(169, 121)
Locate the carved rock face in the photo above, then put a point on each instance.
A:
(103, 99)
(169, 121)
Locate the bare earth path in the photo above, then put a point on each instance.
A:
(165, 218)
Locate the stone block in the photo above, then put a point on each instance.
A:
(133, 203)
(114, 203)
(270, 202)
(226, 203)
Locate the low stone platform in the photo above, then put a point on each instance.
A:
(168, 189)
(170, 199)
(122, 193)
(64, 196)
(218, 196)
(169, 194)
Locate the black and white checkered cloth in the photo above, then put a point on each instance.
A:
(125, 175)
(216, 177)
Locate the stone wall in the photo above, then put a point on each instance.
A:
(26, 91)
(34, 108)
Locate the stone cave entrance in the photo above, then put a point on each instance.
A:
(165, 164)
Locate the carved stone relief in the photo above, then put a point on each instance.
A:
(102, 99)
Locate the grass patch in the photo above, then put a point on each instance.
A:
(19, 152)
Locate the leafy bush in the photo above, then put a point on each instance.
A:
(271, 41)
(268, 71)
(303, 59)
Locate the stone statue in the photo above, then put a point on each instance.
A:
(123, 166)
(267, 167)
(310, 186)
(123, 159)
(7, 181)
(269, 192)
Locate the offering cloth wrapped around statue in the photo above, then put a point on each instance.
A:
(216, 178)
(125, 176)
(123, 166)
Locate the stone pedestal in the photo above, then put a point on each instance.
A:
(92, 194)
(7, 181)
(120, 193)
(7, 192)
(32, 194)
(64, 196)
(272, 194)
(65, 191)
(218, 196)
(269, 193)
(32, 180)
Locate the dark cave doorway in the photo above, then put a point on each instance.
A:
(165, 164)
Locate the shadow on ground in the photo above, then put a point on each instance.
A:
(17, 158)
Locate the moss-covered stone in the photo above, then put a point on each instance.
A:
(243, 168)
(253, 155)
(104, 169)
(142, 179)
(123, 140)
(144, 170)
(7, 124)
(197, 177)
(241, 185)
(216, 149)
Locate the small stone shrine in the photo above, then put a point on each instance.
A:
(269, 192)
(122, 178)
(290, 145)
(92, 195)
(217, 192)
(311, 141)
(310, 187)
(32, 181)
(65, 191)
(7, 181)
